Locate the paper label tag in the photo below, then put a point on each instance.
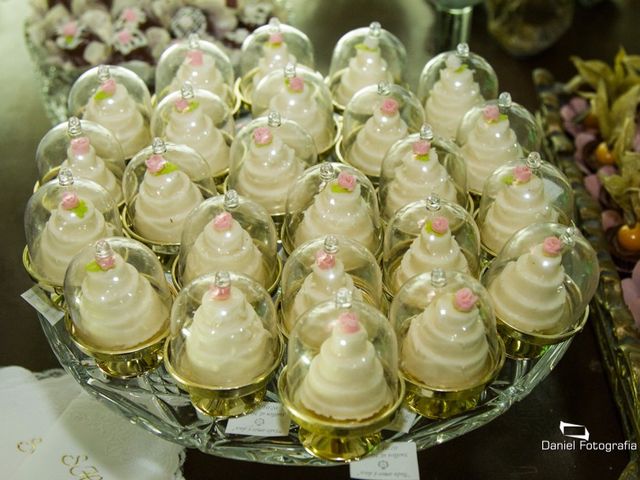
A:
(38, 299)
(403, 421)
(397, 460)
(268, 420)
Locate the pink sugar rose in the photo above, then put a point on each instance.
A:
(109, 86)
(80, 145)
(182, 104)
(440, 225)
(389, 107)
(491, 113)
(296, 84)
(552, 246)
(347, 181)
(223, 222)
(195, 58)
(325, 260)
(276, 38)
(262, 136)
(522, 174)
(129, 15)
(349, 322)
(70, 200)
(155, 163)
(106, 263)
(70, 29)
(465, 299)
(421, 147)
(220, 293)
(124, 36)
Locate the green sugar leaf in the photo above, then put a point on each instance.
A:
(81, 209)
(423, 158)
(461, 68)
(335, 188)
(168, 168)
(363, 47)
(92, 266)
(101, 95)
(507, 179)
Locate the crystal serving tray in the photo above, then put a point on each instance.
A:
(154, 402)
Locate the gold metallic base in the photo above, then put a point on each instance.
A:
(520, 345)
(338, 448)
(126, 364)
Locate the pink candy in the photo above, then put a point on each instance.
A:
(80, 146)
(421, 147)
(182, 104)
(70, 29)
(325, 260)
(223, 222)
(349, 323)
(262, 136)
(465, 300)
(129, 15)
(522, 174)
(440, 225)
(155, 163)
(347, 181)
(296, 84)
(195, 58)
(276, 38)
(389, 107)
(491, 113)
(106, 263)
(552, 246)
(70, 200)
(220, 293)
(109, 86)
(124, 36)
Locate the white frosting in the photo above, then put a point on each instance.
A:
(320, 286)
(337, 213)
(205, 76)
(451, 97)
(227, 344)
(415, 179)
(377, 135)
(445, 347)
(196, 130)
(162, 205)
(427, 252)
(64, 235)
(118, 307)
(92, 167)
(488, 146)
(303, 109)
(366, 67)
(267, 174)
(230, 250)
(120, 115)
(274, 57)
(516, 206)
(529, 294)
(345, 380)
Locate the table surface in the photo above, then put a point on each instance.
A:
(577, 391)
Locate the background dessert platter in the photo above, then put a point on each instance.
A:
(370, 314)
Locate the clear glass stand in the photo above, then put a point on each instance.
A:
(154, 402)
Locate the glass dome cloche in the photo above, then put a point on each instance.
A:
(540, 286)
(268, 48)
(199, 119)
(428, 234)
(117, 99)
(119, 304)
(421, 164)
(161, 185)
(89, 150)
(300, 95)
(61, 218)
(332, 199)
(448, 344)
(521, 193)
(316, 270)
(341, 383)
(363, 57)
(231, 233)
(200, 62)
(267, 156)
(494, 133)
(450, 84)
(224, 345)
(376, 118)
